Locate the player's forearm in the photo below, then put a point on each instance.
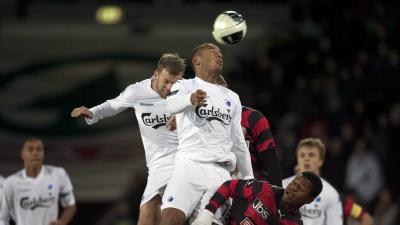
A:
(107, 109)
(244, 162)
(224, 192)
(68, 214)
(366, 219)
(177, 104)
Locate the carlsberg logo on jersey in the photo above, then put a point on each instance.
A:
(261, 210)
(154, 121)
(310, 212)
(213, 114)
(34, 203)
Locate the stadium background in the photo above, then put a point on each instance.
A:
(328, 69)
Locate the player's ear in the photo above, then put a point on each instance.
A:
(155, 74)
(196, 60)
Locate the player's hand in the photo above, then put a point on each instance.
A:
(81, 111)
(205, 218)
(171, 123)
(198, 98)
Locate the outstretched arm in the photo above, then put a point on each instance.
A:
(108, 108)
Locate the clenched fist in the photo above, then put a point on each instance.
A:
(82, 111)
(198, 98)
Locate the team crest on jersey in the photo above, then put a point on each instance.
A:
(154, 121)
(228, 103)
(213, 114)
(246, 221)
(32, 204)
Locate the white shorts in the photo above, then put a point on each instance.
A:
(160, 172)
(192, 184)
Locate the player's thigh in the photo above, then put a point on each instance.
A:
(172, 216)
(156, 182)
(217, 175)
(185, 188)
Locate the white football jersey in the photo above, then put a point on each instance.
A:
(326, 209)
(209, 133)
(34, 201)
(1, 187)
(151, 114)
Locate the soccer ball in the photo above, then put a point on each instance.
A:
(229, 28)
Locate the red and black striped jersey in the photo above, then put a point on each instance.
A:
(258, 135)
(254, 202)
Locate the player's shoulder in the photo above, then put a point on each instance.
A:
(253, 112)
(328, 189)
(139, 84)
(54, 170)
(13, 178)
(187, 82)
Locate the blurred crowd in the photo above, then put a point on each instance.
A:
(336, 77)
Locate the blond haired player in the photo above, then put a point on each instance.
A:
(147, 97)
(326, 209)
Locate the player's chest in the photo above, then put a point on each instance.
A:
(36, 194)
(220, 108)
(315, 209)
(151, 113)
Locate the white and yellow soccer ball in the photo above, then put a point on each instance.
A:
(229, 28)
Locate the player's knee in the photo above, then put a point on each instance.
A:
(172, 216)
(150, 213)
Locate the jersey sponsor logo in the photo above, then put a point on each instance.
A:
(261, 210)
(154, 121)
(24, 190)
(246, 221)
(34, 203)
(145, 104)
(310, 212)
(213, 114)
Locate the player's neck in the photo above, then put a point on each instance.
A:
(318, 172)
(290, 208)
(210, 78)
(32, 171)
